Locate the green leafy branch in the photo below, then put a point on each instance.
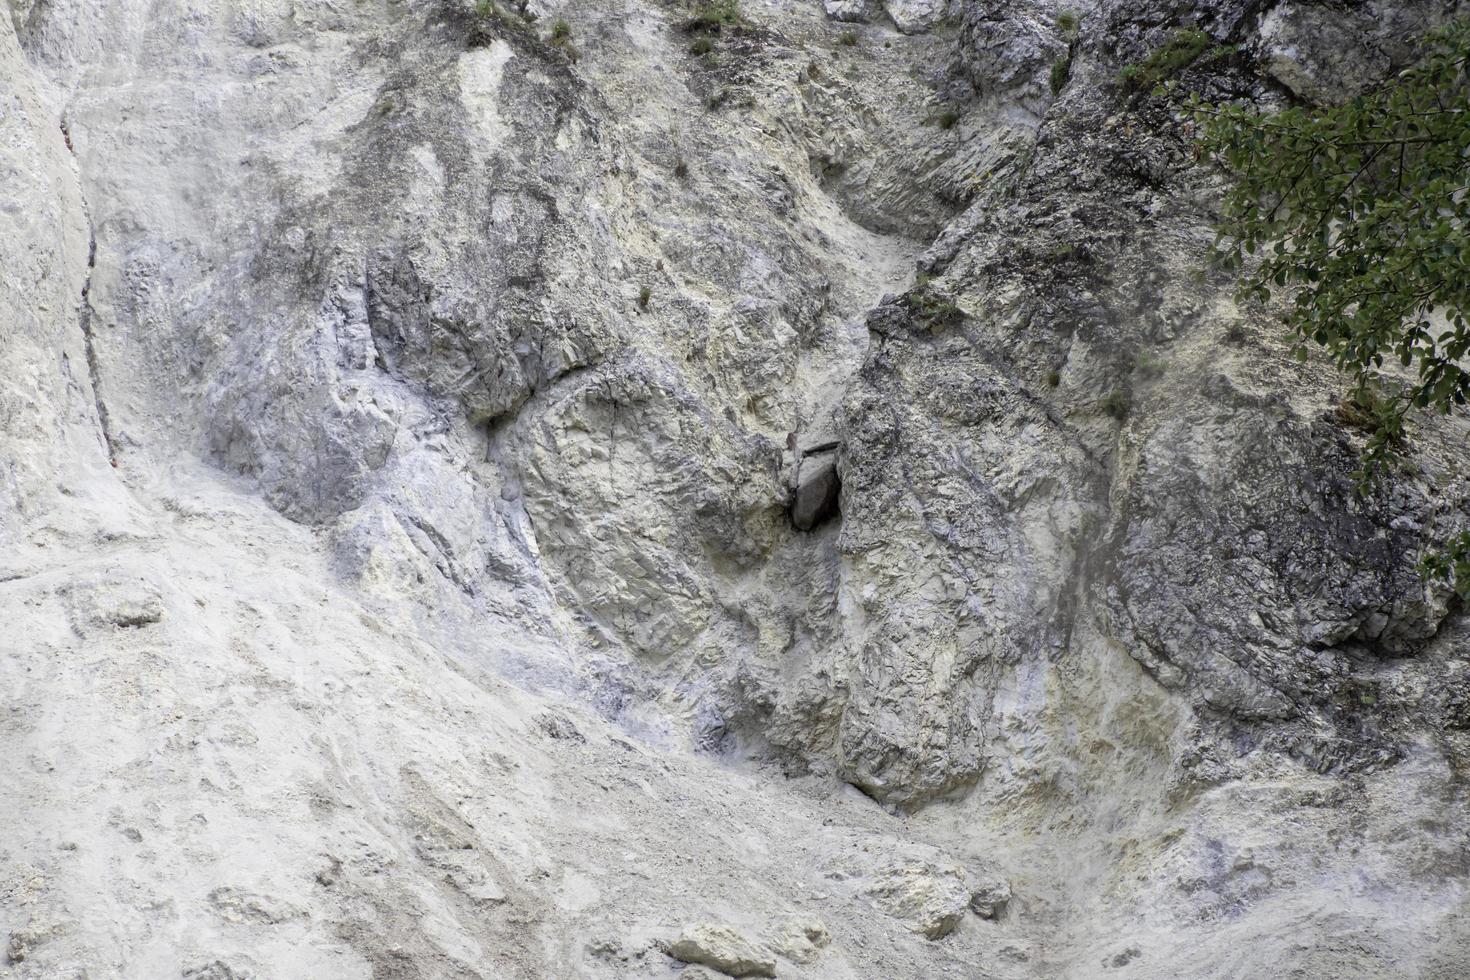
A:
(1360, 213)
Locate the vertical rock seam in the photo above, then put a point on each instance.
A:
(84, 319)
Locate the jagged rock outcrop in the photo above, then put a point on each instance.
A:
(475, 500)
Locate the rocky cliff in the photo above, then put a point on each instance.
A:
(601, 488)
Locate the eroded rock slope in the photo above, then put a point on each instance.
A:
(778, 491)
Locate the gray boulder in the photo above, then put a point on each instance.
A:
(818, 491)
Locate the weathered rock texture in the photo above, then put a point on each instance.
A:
(472, 502)
(722, 949)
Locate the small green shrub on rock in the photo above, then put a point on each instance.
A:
(561, 38)
(1180, 51)
(715, 16)
(1365, 409)
(1117, 404)
(1151, 366)
(930, 307)
(1061, 70)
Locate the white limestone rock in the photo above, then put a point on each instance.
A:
(856, 11)
(321, 338)
(722, 948)
(916, 16)
(114, 600)
(694, 972)
(801, 938)
(930, 899)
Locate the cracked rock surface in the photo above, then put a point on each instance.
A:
(789, 499)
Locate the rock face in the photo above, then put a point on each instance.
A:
(415, 561)
(1327, 55)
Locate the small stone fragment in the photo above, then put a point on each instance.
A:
(801, 938)
(239, 905)
(113, 600)
(989, 901)
(930, 899)
(724, 949)
(699, 973)
(559, 727)
(214, 970)
(328, 876)
(24, 941)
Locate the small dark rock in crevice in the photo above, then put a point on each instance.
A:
(818, 489)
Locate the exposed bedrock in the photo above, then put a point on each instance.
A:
(789, 499)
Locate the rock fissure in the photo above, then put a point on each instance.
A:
(85, 313)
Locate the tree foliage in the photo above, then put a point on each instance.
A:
(1360, 214)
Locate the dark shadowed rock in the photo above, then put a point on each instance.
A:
(818, 488)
